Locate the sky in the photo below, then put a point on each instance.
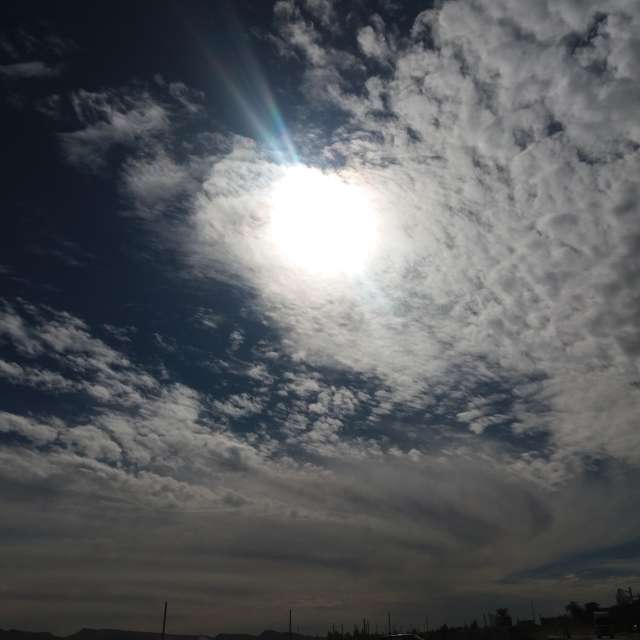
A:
(317, 304)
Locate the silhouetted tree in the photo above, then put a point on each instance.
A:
(589, 609)
(575, 611)
(503, 619)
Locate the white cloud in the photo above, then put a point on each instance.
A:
(302, 384)
(299, 37)
(504, 185)
(339, 401)
(209, 319)
(34, 377)
(260, 372)
(85, 363)
(323, 11)
(153, 184)
(236, 338)
(37, 432)
(92, 443)
(110, 119)
(373, 43)
(238, 405)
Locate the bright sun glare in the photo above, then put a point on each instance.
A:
(321, 223)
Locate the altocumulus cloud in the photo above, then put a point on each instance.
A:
(441, 425)
(503, 169)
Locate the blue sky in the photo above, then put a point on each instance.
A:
(320, 305)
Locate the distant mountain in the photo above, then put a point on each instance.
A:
(281, 635)
(235, 636)
(14, 634)
(121, 634)
(100, 634)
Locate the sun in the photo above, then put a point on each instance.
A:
(321, 223)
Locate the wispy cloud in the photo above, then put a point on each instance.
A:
(110, 119)
(31, 69)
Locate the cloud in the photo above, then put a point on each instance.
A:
(36, 432)
(209, 319)
(86, 363)
(260, 372)
(153, 184)
(22, 43)
(37, 378)
(450, 417)
(120, 333)
(323, 11)
(27, 70)
(236, 338)
(93, 443)
(491, 168)
(63, 250)
(34, 53)
(189, 98)
(320, 495)
(110, 119)
(238, 406)
(299, 37)
(373, 44)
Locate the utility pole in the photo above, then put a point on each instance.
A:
(164, 619)
(289, 624)
(389, 621)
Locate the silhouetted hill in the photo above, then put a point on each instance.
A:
(235, 636)
(14, 634)
(121, 634)
(283, 635)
